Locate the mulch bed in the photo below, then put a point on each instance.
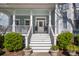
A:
(63, 53)
(7, 53)
(21, 53)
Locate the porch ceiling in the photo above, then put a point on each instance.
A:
(28, 5)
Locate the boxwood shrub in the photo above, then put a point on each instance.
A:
(64, 39)
(76, 39)
(1, 41)
(13, 41)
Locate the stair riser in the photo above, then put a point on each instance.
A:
(41, 48)
(40, 42)
(40, 45)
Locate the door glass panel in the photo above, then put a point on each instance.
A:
(40, 24)
(17, 22)
(27, 22)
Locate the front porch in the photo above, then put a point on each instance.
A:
(31, 20)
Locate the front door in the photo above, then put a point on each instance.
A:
(40, 26)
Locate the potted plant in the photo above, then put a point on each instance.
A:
(72, 49)
(54, 50)
(27, 51)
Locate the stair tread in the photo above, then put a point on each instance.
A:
(40, 42)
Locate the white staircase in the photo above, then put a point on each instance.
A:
(40, 42)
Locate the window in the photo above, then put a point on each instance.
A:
(77, 15)
(40, 24)
(17, 21)
(77, 4)
(4, 19)
(63, 6)
(65, 20)
(22, 20)
(76, 24)
(27, 22)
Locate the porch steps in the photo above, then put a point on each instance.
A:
(40, 42)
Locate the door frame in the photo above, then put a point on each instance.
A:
(37, 20)
(40, 29)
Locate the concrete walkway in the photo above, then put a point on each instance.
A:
(40, 54)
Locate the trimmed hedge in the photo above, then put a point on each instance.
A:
(13, 41)
(1, 41)
(64, 39)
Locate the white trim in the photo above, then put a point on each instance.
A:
(31, 20)
(40, 14)
(40, 17)
(26, 19)
(13, 25)
(22, 14)
(49, 21)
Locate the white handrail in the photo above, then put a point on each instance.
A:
(52, 30)
(29, 31)
(29, 36)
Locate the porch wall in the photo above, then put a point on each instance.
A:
(23, 12)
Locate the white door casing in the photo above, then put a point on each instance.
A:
(40, 23)
(40, 26)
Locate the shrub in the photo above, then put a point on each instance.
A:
(72, 48)
(77, 39)
(13, 41)
(64, 39)
(54, 47)
(1, 41)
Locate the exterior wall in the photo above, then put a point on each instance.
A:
(59, 27)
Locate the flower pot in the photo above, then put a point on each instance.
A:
(27, 52)
(54, 52)
(72, 53)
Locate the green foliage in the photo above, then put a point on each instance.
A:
(13, 41)
(64, 39)
(53, 47)
(72, 48)
(77, 38)
(1, 41)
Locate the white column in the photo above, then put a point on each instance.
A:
(31, 20)
(55, 39)
(49, 21)
(13, 26)
(56, 19)
(55, 35)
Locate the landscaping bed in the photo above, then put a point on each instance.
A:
(8, 53)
